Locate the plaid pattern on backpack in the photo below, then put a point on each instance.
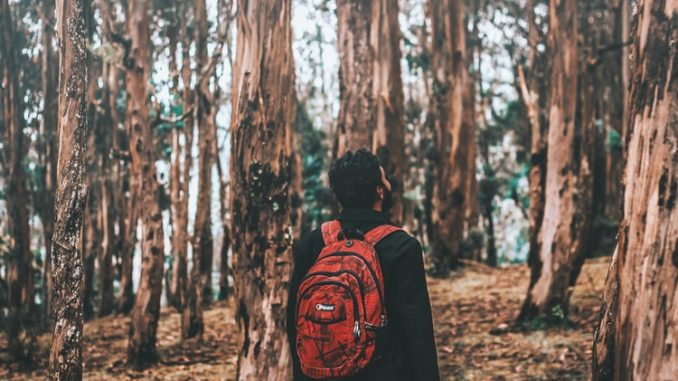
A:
(340, 304)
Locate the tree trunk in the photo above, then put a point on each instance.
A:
(454, 129)
(357, 117)
(65, 358)
(636, 335)
(19, 285)
(48, 148)
(387, 91)
(90, 246)
(144, 318)
(263, 110)
(531, 91)
(179, 281)
(549, 295)
(199, 291)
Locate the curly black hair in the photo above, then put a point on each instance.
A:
(354, 178)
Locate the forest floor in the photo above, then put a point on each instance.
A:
(474, 311)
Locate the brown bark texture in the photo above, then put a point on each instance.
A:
(549, 294)
(144, 317)
(199, 290)
(454, 129)
(357, 117)
(636, 335)
(263, 100)
(19, 258)
(65, 358)
(388, 141)
(180, 175)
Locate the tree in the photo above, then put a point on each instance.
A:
(48, 147)
(19, 285)
(637, 328)
(454, 128)
(389, 130)
(65, 358)
(144, 318)
(357, 118)
(179, 176)
(199, 291)
(371, 100)
(533, 96)
(263, 111)
(558, 246)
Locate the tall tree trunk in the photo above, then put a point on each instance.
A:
(179, 281)
(90, 245)
(224, 268)
(199, 290)
(48, 151)
(387, 92)
(65, 358)
(454, 127)
(636, 335)
(19, 285)
(144, 318)
(614, 31)
(260, 175)
(92, 221)
(531, 94)
(557, 253)
(357, 117)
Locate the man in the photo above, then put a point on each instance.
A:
(406, 346)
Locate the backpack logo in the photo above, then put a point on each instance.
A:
(324, 307)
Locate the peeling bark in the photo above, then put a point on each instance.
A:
(550, 289)
(454, 129)
(262, 154)
(65, 358)
(636, 336)
(141, 348)
(531, 92)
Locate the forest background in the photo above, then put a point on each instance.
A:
(163, 156)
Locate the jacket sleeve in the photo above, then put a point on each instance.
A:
(413, 307)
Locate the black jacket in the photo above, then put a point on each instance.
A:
(407, 343)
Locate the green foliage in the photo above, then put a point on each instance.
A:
(613, 141)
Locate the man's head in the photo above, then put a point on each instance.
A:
(359, 182)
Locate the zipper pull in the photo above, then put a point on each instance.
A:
(356, 330)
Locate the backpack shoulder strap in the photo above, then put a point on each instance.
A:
(331, 230)
(380, 232)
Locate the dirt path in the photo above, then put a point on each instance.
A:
(473, 312)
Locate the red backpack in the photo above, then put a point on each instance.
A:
(340, 304)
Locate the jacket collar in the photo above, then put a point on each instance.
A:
(364, 215)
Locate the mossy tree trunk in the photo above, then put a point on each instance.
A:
(263, 100)
(65, 359)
